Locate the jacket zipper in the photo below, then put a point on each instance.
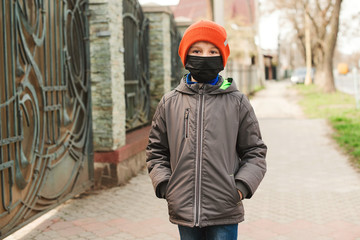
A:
(187, 122)
(198, 164)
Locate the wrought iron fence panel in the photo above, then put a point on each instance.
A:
(45, 110)
(245, 76)
(176, 64)
(137, 91)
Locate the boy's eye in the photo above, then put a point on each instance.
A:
(214, 52)
(195, 51)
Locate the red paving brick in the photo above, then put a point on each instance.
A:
(84, 221)
(70, 232)
(116, 222)
(61, 225)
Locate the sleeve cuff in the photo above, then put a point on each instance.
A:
(242, 188)
(161, 189)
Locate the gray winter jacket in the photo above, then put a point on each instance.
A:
(204, 145)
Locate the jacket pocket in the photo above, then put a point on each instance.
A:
(186, 122)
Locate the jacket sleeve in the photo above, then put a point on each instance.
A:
(157, 152)
(251, 149)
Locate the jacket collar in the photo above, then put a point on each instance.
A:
(223, 86)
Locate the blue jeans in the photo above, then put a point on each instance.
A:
(218, 232)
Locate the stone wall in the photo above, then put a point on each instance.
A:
(118, 155)
(117, 167)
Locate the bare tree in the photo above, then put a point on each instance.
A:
(324, 17)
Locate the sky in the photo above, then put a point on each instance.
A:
(348, 43)
(269, 26)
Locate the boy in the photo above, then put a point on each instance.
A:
(205, 152)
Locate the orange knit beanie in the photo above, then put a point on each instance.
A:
(207, 31)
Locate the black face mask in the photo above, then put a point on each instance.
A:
(204, 69)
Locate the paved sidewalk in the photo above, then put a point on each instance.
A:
(309, 192)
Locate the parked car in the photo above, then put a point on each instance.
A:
(299, 74)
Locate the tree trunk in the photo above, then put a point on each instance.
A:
(324, 76)
(308, 78)
(324, 70)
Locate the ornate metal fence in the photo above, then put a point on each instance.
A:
(176, 64)
(136, 38)
(246, 77)
(45, 127)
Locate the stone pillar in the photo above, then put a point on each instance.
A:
(107, 87)
(107, 74)
(182, 23)
(159, 51)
